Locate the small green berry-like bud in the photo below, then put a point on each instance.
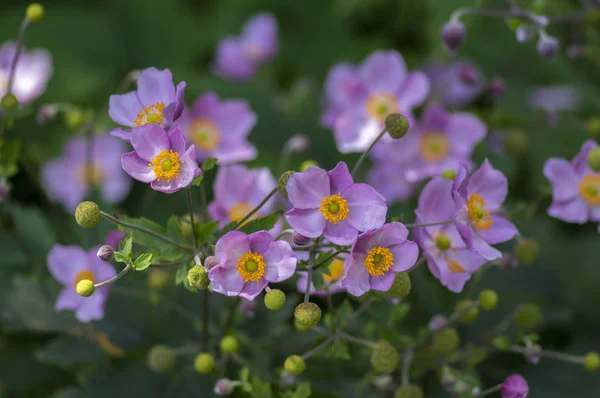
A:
(528, 316)
(74, 118)
(443, 242)
(593, 159)
(488, 299)
(527, 251)
(229, 345)
(9, 102)
(501, 342)
(591, 361)
(301, 328)
(85, 288)
(593, 126)
(275, 299)
(446, 341)
(470, 315)
(409, 391)
(396, 125)
(198, 277)
(87, 214)
(307, 314)
(158, 279)
(401, 286)
(282, 183)
(204, 363)
(35, 12)
(449, 174)
(307, 163)
(160, 359)
(294, 364)
(515, 142)
(384, 357)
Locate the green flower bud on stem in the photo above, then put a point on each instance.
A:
(409, 391)
(161, 359)
(527, 251)
(396, 125)
(74, 118)
(384, 357)
(198, 277)
(158, 279)
(87, 214)
(593, 159)
(446, 341)
(275, 299)
(401, 286)
(593, 126)
(449, 174)
(229, 345)
(35, 12)
(9, 102)
(443, 242)
(591, 361)
(501, 342)
(301, 328)
(307, 314)
(470, 315)
(282, 183)
(294, 364)
(307, 163)
(528, 316)
(204, 363)
(85, 288)
(488, 299)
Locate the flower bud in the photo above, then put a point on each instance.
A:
(275, 299)
(488, 299)
(497, 87)
(396, 125)
(223, 388)
(514, 386)
(502, 343)
(401, 286)
(384, 357)
(74, 118)
(468, 75)
(282, 183)
(508, 262)
(528, 316)
(307, 314)
(446, 341)
(294, 364)
(449, 174)
(593, 126)
(307, 163)
(248, 308)
(161, 359)
(198, 277)
(442, 242)
(591, 361)
(105, 253)
(158, 278)
(453, 35)
(575, 51)
(46, 113)
(204, 363)
(533, 354)
(383, 382)
(87, 214)
(9, 102)
(437, 322)
(300, 240)
(547, 47)
(525, 33)
(593, 159)
(468, 316)
(527, 251)
(298, 143)
(299, 327)
(229, 345)
(85, 288)
(35, 12)
(210, 262)
(409, 391)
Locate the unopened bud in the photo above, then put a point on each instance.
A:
(437, 322)
(198, 277)
(301, 328)
(547, 47)
(105, 253)
(449, 174)
(525, 33)
(158, 279)
(515, 386)
(591, 361)
(307, 314)
(35, 12)
(468, 75)
(298, 143)
(442, 242)
(501, 342)
(223, 387)
(300, 240)
(87, 214)
(453, 35)
(46, 113)
(528, 316)
(468, 309)
(508, 262)
(384, 357)
(161, 359)
(401, 286)
(527, 251)
(593, 159)
(446, 341)
(497, 87)
(307, 163)
(533, 354)
(229, 345)
(396, 125)
(248, 308)
(210, 262)
(294, 364)
(593, 126)
(409, 391)
(9, 102)
(85, 288)
(74, 118)
(282, 183)
(275, 299)
(488, 299)
(204, 363)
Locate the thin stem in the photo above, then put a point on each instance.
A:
(489, 391)
(504, 324)
(517, 13)
(205, 309)
(320, 347)
(114, 278)
(230, 317)
(561, 356)
(203, 202)
(309, 268)
(284, 232)
(257, 208)
(178, 262)
(430, 224)
(365, 153)
(357, 340)
(147, 231)
(13, 65)
(330, 257)
(409, 353)
(188, 195)
(453, 319)
(359, 311)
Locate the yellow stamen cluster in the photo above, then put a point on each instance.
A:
(336, 270)
(240, 210)
(334, 208)
(434, 146)
(166, 165)
(480, 216)
(82, 275)
(91, 175)
(151, 114)
(589, 189)
(205, 134)
(251, 267)
(379, 260)
(379, 106)
(454, 266)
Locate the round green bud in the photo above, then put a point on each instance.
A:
(515, 142)
(443, 242)
(74, 118)
(470, 315)
(528, 316)
(198, 277)
(294, 364)
(593, 159)
(204, 363)
(401, 286)
(449, 174)
(275, 299)
(282, 183)
(527, 251)
(85, 288)
(307, 163)
(229, 345)
(307, 314)
(301, 328)
(446, 341)
(501, 342)
(161, 359)
(158, 278)
(593, 126)
(488, 299)
(396, 125)
(409, 391)
(87, 214)
(384, 357)
(9, 102)
(591, 361)
(35, 12)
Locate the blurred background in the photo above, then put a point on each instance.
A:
(96, 43)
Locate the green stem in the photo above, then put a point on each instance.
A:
(205, 309)
(489, 391)
(257, 208)
(203, 202)
(178, 262)
(365, 153)
(114, 278)
(188, 195)
(409, 353)
(561, 356)
(357, 340)
(320, 347)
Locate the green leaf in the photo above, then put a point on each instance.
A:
(227, 228)
(70, 351)
(303, 390)
(337, 349)
(318, 280)
(208, 164)
(261, 389)
(198, 180)
(260, 224)
(181, 274)
(120, 258)
(399, 312)
(245, 374)
(142, 262)
(145, 239)
(206, 232)
(344, 312)
(125, 246)
(174, 228)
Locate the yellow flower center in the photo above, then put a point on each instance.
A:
(205, 134)
(480, 216)
(334, 208)
(455, 267)
(379, 260)
(151, 114)
(251, 267)
(434, 146)
(336, 270)
(380, 105)
(81, 275)
(90, 175)
(166, 165)
(589, 189)
(240, 210)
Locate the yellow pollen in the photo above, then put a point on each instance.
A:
(455, 267)
(379, 260)
(334, 208)
(166, 165)
(379, 106)
(434, 146)
(336, 270)
(240, 210)
(589, 189)
(81, 275)
(91, 175)
(251, 267)
(151, 114)
(478, 213)
(205, 134)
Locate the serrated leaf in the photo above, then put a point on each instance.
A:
(208, 164)
(181, 274)
(206, 232)
(120, 258)
(344, 312)
(145, 239)
(260, 224)
(261, 389)
(125, 246)
(304, 390)
(196, 182)
(142, 262)
(174, 228)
